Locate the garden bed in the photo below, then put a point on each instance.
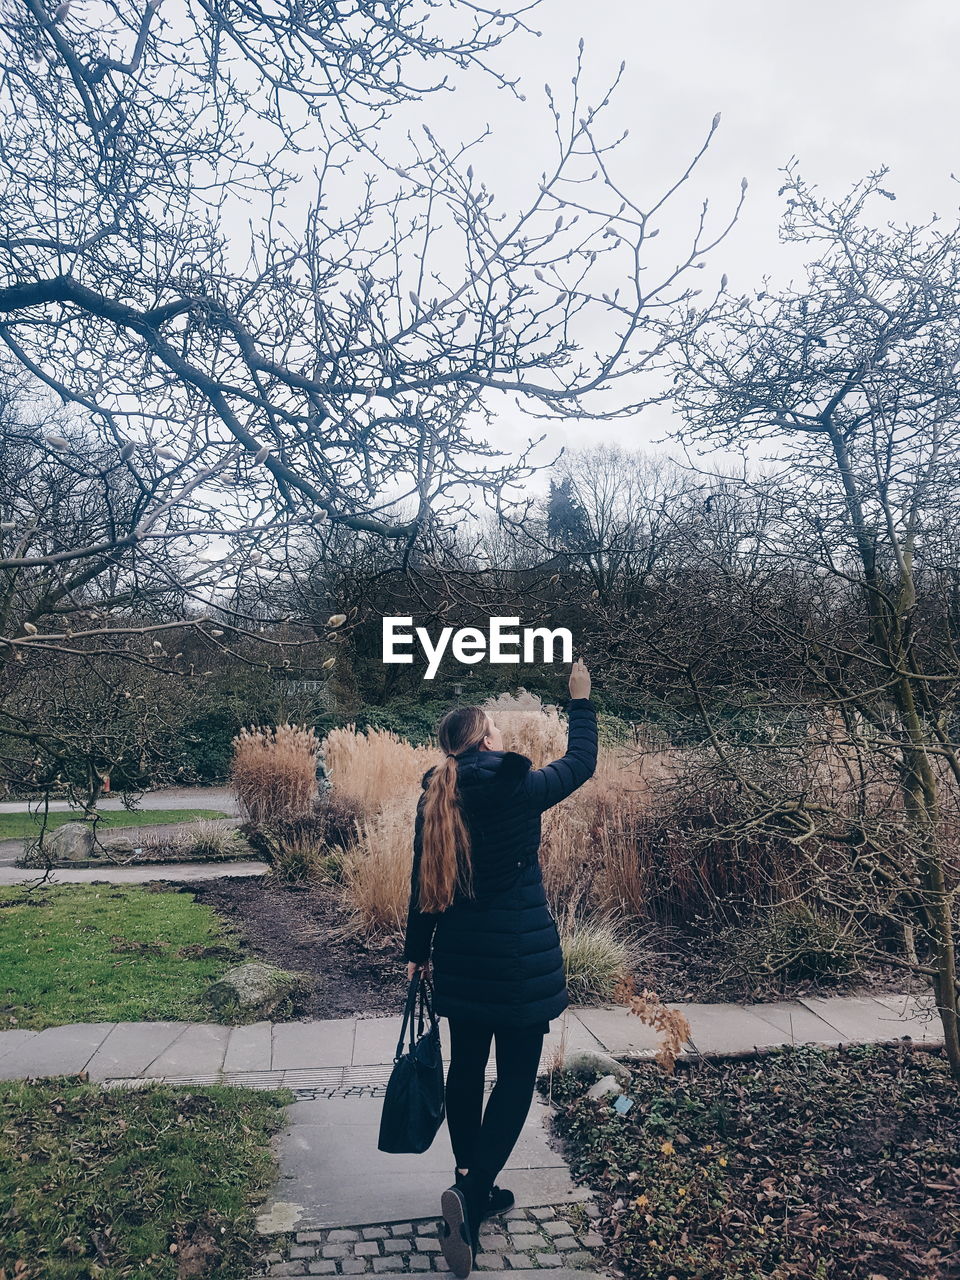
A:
(290, 927)
(696, 963)
(162, 856)
(15, 826)
(160, 1182)
(837, 1164)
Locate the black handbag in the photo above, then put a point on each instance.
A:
(413, 1107)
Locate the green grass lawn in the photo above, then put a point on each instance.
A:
(162, 1182)
(15, 826)
(106, 953)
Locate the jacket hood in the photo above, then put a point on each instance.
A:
(495, 769)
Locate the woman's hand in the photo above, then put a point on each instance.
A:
(579, 680)
(412, 966)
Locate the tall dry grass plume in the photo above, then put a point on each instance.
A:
(371, 766)
(528, 726)
(375, 870)
(273, 772)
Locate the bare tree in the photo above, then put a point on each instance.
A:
(838, 611)
(322, 365)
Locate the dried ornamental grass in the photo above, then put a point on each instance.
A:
(528, 726)
(372, 766)
(375, 871)
(598, 955)
(274, 770)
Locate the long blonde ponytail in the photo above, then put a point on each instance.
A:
(445, 855)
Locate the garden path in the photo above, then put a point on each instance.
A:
(341, 1206)
(214, 798)
(221, 798)
(141, 874)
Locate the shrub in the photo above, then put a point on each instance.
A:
(310, 844)
(274, 771)
(598, 956)
(788, 943)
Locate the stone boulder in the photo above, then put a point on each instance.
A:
(119, 846)
(604, 1086)
(593, 1063)
(73, 842)
(249, 992)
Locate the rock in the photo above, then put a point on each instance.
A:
(73, 842)
(249, 992)
(593, 1063)
(120, 846)
(605, 1085)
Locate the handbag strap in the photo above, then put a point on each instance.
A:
(419, 985)
(425, 1001)
(408, 1011)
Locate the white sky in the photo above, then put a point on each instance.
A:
(845, 86)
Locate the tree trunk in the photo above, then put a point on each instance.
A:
(920, 796)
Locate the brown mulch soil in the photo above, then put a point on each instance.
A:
(693, 964)
(291, 927)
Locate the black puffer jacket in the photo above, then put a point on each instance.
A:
(496, 957)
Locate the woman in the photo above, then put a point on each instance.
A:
(477, 895)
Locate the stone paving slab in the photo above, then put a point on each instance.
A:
(571, 1028)
(918, 1015)
(864, 1019)
(199, 1049)
(797, 1024)
(333, 1174)
(314, 1044)
(376, 1038)
(727, 1028)
(136, 875)
(13, 1039)
(249, 1048)
(618, 1030)
(130, 1048)
(56, 1051)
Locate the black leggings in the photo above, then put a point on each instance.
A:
(485, 1144)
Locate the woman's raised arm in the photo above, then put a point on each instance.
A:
(554, 782)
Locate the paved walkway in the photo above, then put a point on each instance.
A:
(355, 1054)
(166, 798)
(341, 1206)
(139, 874)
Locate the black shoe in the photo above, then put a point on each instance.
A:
(456, 1238)
(501, 1198)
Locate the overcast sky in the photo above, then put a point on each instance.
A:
(845, 87)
